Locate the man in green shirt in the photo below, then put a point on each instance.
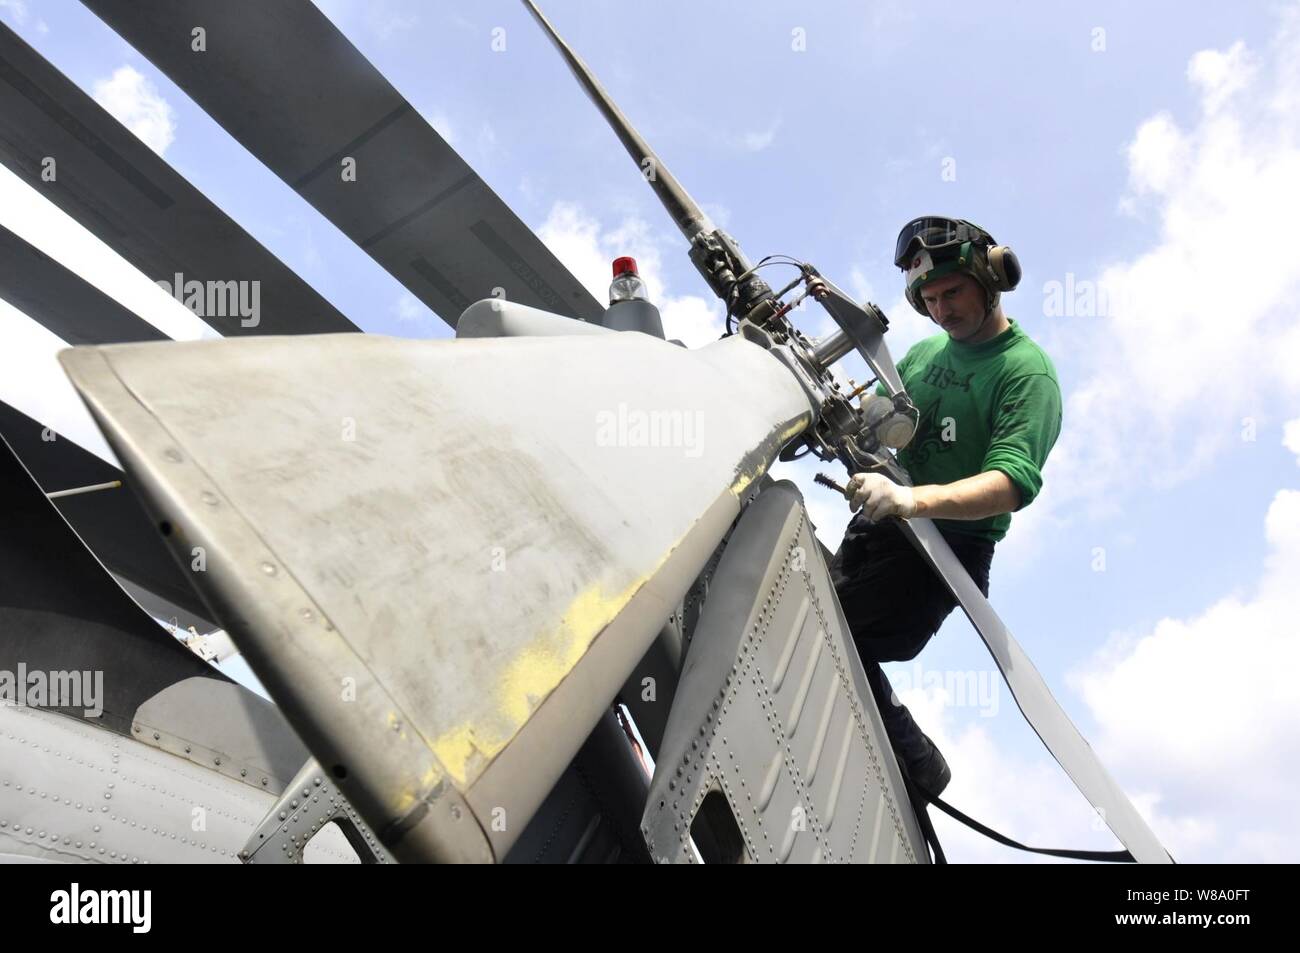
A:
(990, 412)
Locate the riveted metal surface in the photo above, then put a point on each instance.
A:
(771, 651)
(73, 793)
(321, 548)
(256, 746)
(310, 804)
(592, 815)
(60, 611)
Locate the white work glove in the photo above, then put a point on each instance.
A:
(879, 497)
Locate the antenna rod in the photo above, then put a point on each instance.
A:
(60, 494)
(690, 218)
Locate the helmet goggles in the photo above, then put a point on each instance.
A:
(933, 232)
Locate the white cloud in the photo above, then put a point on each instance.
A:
(758, 140)
(1221, 75)
(134, 101)
(32, 217)
(574, 238)
(693, 320)
(387, 21)
(1031, 799)
(1203, 710)
(1158, 155)
(441, 124)
(409, 308)
(860, 286)
(15, 10)
(587, 250)
(718, 213)
(411, 312)
(1291, 438)
(906, 327)
(31, 378)
(487, 138)
(1201, 330)
(1195, 720)
(1195, 716)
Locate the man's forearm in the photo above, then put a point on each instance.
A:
(974, 498)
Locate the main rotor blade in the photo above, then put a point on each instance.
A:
(132, 200)
(112, 523)
(1035, 700)
(301, 98)
(473, 546)
(61, 301)
(60, 612)
(686, 213)
(49, 580)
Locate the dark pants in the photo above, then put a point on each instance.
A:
(894, 602)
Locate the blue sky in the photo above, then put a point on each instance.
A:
(1152, 156)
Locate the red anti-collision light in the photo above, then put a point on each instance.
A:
(624, 266)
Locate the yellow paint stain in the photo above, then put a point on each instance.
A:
(746, 477)
(532, 675)
(408, 799)
(454, 749)
(540, 667)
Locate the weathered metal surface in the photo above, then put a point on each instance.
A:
(443, 558)
(299, 820)
(774, 737)
(74, 793)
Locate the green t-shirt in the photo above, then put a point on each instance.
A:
(995, 405)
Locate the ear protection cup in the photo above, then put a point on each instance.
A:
(915, 301)
(1005, 267)
(997, 269)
